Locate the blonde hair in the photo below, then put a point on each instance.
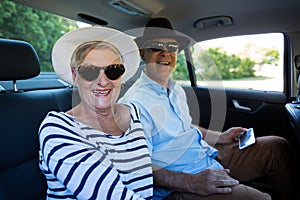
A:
(82, 50)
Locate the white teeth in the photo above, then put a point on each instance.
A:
(101, 92)
(164, 63)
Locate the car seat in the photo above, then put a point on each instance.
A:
(293, 113)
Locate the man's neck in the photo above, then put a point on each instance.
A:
(162, 82)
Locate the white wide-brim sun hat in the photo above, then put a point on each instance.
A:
(64, 47)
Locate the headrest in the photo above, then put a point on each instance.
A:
(18, 60)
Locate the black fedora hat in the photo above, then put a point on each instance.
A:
(162, 28)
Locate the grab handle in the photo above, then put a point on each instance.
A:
(238, 106)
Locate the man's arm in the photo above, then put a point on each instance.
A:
(170, 180)
(210, 181)
(211, 137)
(216, 137)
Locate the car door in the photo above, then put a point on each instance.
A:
(256, 102)
(218, 109)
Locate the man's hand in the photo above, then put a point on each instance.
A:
(210, 181)
(231, 135)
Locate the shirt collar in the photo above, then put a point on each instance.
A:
(154, 85)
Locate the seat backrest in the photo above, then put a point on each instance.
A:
(21, 113)
(293, 112)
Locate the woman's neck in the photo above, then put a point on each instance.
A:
(109, 121)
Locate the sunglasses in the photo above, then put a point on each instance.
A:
(91, 72)
(157, 46)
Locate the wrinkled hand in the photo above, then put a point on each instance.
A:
(211, 181)
(231, 135)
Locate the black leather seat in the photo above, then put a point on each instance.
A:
(21, 113)
(293, 113)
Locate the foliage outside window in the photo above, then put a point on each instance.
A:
(40, 29)
(244, 62)
(181, 72)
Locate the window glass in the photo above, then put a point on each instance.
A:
(245, 62)
(40, 29)
(181, 74)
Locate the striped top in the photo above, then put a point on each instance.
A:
(80, 162)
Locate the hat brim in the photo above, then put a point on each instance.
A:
(156, 33)
(65, 46)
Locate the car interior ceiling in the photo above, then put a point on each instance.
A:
(253, 16)
(20, 166)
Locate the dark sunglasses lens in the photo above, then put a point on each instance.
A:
(155, 50)
(156, 46)
(89, 73)
(113, 72)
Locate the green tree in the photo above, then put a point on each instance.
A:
(271, 56)
(181, 71)
(215, 64)
(39, 28)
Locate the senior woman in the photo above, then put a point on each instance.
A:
(96, 150)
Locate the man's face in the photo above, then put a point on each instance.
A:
(160, 56)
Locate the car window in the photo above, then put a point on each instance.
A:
(181, 74)
(40, 29)
(252, 62)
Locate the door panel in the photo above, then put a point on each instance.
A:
(215, 109)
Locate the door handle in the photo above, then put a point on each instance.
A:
(238, 106)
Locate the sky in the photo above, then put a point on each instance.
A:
(238, 44)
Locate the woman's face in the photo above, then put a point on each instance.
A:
(102, 92)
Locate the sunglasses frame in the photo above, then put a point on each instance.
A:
(157, 46)
(90, 76)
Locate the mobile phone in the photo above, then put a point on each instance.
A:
(246, 138)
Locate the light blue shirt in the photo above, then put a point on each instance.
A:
(173, 141)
